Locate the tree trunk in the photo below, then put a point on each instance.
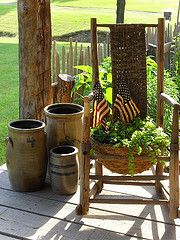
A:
(120, 11)
(34, 57)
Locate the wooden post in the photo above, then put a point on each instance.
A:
(174, 166)
(34, 57)
(160, 89)
(67, 63)
(108, 45)
(75, 58)
(88, 55)
(99, 172)
(63, 59)
(83, 208)
(105, 49)
(94, 51)
(54, 87)
(56, 63)
(64, 87)
(160, 71)
(70, 67)
(81, 56)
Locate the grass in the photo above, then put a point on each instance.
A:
(8, 88)
(136, 5)
(68, 20)
(63, 21)
(80, 20)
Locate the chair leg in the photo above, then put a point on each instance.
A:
(83, 207)
(99, 172)
(159, 171)
(174, 185)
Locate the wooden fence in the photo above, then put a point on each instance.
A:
(77, 54)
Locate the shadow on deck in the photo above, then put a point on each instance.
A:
(45, 215)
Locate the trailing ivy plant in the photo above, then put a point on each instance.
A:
(139, 136)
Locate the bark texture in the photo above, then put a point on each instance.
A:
(34, 57)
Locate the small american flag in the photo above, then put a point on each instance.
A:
(100, 106)
(124, 104)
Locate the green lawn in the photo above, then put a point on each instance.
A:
(138, 5)
(8, 87)
(67, 20)
(64, 20)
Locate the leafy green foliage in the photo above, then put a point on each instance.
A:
(175, 59)
(83, 81)
(140, 136)
(170, 88)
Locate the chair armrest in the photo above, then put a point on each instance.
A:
(169, 100)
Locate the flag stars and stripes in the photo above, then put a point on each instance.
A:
(124, 104)
(100, 106)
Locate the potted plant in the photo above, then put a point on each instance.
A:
(133, 147)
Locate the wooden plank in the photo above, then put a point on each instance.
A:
(70, 62)
(169, 100)
(137, 183)
(109, 25)
(160, 89)
(46, 195)
(174, 165)
(128, 178)
(3, 237)
(81, 55)
(94, 51)
(83, 208)
(160, 71)
(108, 45)
(130, 201)
(45, 218)
(99, 172)
(63, 60)
(54, 63)
(167, 47)
(75, 58)
(93, 191)
(6, 236)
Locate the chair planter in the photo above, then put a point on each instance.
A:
(128, 54)
(116, 159)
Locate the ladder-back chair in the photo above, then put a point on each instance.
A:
(128, 53)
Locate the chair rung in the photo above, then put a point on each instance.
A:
(129, 178)
(131, 201)
(163, 158)
(109, 25)
(135, 183)
(178, 213)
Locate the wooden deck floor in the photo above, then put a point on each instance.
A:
(45, 215)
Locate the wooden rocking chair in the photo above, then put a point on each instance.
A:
(128, 50)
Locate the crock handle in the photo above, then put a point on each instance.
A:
(9, 139)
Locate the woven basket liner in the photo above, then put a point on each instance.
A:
(128, 53)
(116, 159)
